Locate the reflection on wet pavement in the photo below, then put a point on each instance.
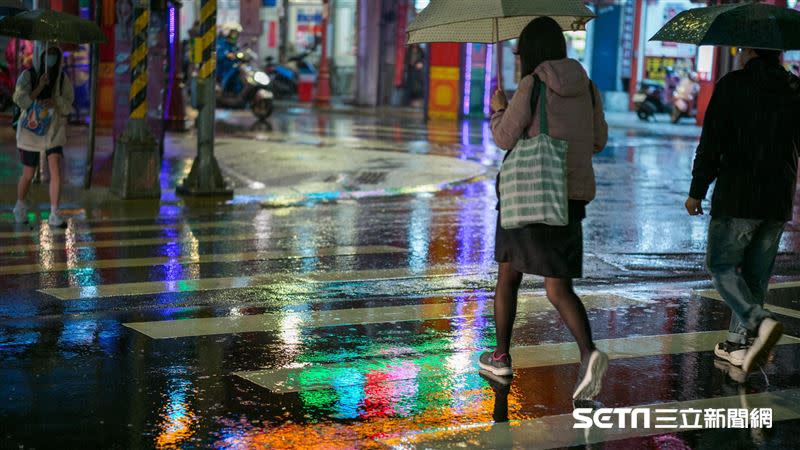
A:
(356, 323)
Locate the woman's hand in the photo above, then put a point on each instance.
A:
(499, 100)
(40, 85)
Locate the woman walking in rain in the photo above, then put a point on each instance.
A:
(44, 95)
(574, 113)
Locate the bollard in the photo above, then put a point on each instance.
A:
(137, 164)
(205, 178)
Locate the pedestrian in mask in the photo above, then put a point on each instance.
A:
(44, 95)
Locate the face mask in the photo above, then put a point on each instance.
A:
(51, 60)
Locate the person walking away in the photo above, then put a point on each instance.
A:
(415, 75)
(574, 112)
(749, 145)
(44, 96)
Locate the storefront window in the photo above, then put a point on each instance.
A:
(665, 58)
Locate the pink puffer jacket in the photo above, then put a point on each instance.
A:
(570, 117)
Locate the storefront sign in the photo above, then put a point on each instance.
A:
(444, 90)
(655, 67)
(659, 13)
(626, 38)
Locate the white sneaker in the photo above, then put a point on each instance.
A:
(731, 352)
(769, 332)
(55, 220)
(590, 377)
(21, 212)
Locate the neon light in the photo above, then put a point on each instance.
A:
(172, 61)
(467, 78)
(487, 82)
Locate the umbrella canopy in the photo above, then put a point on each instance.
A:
(11, 7)
(491, 21)
(47, 25)
(751, 25)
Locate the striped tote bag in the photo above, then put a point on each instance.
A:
(533, 179)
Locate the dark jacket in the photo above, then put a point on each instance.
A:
(750, 144)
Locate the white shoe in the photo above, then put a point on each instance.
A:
(731, 352)
(21, 212)
(55, 220)
(769, 332)
(590, 377)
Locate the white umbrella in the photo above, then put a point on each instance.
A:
(491, 21)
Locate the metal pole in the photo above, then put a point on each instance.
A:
(205, 177)
(95, 66)
(137, 164)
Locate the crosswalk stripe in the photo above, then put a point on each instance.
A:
(788, 312)
(190, 259)
(528, 304)
(185, 237)
(254, 281)
(557, 431)
(157, 287)
(544, 355)
(45, 230)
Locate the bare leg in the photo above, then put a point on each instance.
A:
(505, 305)
(54, 161)
(572, 311)
(24, 184)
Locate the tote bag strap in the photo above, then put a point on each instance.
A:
(536, 92)
(543, 129)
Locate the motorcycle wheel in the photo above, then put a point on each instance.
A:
(262, 108)
(646, 111)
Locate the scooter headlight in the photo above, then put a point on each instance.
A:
(261, 78)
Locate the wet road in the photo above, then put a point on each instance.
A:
(355, 321)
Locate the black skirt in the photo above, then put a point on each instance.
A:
(545, 250)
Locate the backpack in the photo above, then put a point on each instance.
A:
(16, 111)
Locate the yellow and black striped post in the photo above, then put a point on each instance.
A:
(208, 30)
(205, 177)
(137, 162)
(138, 95)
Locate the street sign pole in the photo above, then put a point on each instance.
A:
(205, 178)
(137, 164)
(95, 65)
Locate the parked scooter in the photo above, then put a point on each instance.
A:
(649, 100)
(685, 98)
(255, 91)
(286, 77)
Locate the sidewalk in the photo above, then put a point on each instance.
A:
(277, 172)
(660, 125)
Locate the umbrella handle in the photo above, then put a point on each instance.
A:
(496, 30)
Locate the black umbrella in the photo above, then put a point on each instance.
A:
(11, 7)
(53, 26)
(750, 25)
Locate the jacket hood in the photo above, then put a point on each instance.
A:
(566, 77)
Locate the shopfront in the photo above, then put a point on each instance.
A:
(661, 58)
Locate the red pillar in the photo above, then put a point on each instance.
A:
(105, 82)
(323, 97)
(637, 31)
